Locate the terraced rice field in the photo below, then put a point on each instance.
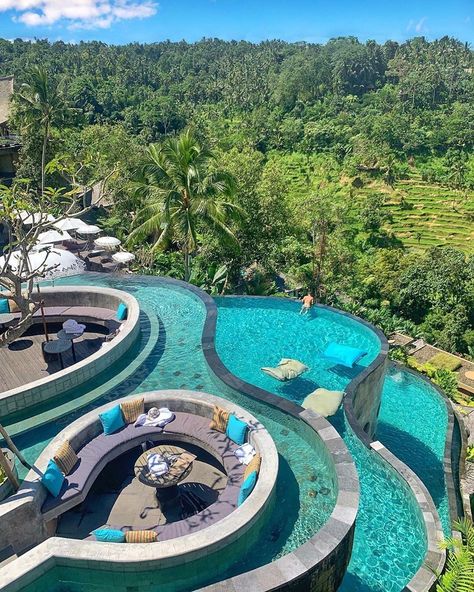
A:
(423, 215)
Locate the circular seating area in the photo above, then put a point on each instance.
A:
(214, 527)
(88, 305)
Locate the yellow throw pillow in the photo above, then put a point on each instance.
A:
(141, 536)
(219, 420)
(132, 409)
(254, 465)
(13, 306)
(65, 457)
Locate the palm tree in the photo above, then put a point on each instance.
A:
(181, 193)
(41, 101)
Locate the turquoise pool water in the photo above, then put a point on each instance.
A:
(412, 424)
(389, 540)
(306, 484)
(256, 332)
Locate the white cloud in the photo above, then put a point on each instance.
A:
(417, 26)
(87, 14)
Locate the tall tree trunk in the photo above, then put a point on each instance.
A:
(187, 266)
(8, 472)
(43, 157)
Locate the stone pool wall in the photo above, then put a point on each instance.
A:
(236, 528)
(320, 564)
(34, 393)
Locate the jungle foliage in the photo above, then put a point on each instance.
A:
(316, 139)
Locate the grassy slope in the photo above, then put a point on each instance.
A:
(427, 219)
(423, 215)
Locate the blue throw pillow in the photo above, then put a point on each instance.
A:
(112, 420)
(343, 354)
(53, 479)
(121, 312)
(247, 487)
(4, 306)
(109, 535)
(236, 429)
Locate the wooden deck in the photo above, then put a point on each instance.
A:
(22, 361)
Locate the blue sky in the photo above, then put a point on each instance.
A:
(123, 21)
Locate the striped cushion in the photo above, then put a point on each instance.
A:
(141, 536)
(254, 465)
(219, 420)
(132, 409)
(65, 457)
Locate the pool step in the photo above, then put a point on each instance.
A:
(7, 555)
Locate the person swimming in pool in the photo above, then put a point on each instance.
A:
(308, 302)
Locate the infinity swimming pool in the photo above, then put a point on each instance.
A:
(389, 541)
(306, 482)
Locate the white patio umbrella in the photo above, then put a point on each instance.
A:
(53, 236)
(123, 257)
(109, 243)
(29, 218)
(70, 224)
(88, 230)
(48, 262)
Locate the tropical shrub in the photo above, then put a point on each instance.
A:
(459, 574)
(447, 381)
(398, 354)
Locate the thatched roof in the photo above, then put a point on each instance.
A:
(6, 92)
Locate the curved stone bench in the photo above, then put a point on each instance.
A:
(87, 304)
(215, 527)
(186, 427)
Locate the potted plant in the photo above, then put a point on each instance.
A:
(6, 487)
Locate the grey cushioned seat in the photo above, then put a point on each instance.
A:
(95, 455)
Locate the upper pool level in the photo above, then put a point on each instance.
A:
(249, 321)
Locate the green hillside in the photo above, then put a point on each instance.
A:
(423, 215)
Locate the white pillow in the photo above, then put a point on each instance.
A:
(287, 369)
(323, 401)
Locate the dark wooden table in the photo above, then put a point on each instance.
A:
(70, 337)
(166, 485)
(58, 347)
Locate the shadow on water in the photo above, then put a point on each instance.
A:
(297, 389)
(417, 456)
(352, 583)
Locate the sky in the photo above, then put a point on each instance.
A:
(125, 21)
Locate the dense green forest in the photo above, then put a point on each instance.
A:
(353, 164)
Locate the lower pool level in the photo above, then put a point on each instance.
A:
(389, 541)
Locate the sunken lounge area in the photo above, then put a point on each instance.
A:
(109, 325)
(108, 486)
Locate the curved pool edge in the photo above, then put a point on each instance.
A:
(435, 558)
(424, 578)
(328, 549)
